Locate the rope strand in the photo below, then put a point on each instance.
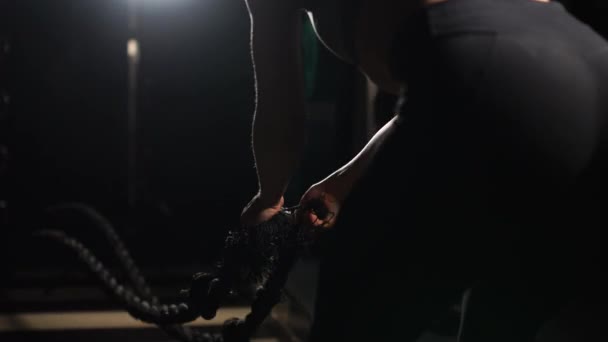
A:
(139, 308)
(135, 276)
(265, 254)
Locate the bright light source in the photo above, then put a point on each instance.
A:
(133, 49)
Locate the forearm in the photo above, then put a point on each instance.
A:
(350, 173)
(279, 121)
(278, 144)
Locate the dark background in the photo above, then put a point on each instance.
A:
(64, 128)
(64, 137)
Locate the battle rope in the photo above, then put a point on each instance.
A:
(135, 276)
(264, 253)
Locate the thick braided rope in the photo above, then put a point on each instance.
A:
(266, 298)
(287, 240)
(135, 276)
(139, 308)
(167, 317)
(264, 253)
(249, 256)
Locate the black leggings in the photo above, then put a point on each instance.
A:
(492, 181)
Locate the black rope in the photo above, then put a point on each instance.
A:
(138, 307)
(288, 240)
(263, 254)
(135, 276)
(266, 298)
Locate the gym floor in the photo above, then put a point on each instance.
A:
(67, 307)
(37, 321)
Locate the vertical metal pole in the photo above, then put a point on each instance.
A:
(133, 55)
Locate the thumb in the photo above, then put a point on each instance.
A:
(319, 209)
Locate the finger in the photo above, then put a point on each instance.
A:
(318, 207)
(311, 218)
(324, 223)
(308, 218)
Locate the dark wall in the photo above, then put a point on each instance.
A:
(65, 122)
(68, 133)
(68, 101)
(195, 103)
(5, 115)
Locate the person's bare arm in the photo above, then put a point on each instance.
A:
(279, 120)
(356, 168)
(332, 191)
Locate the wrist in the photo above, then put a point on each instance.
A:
(339, 184)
